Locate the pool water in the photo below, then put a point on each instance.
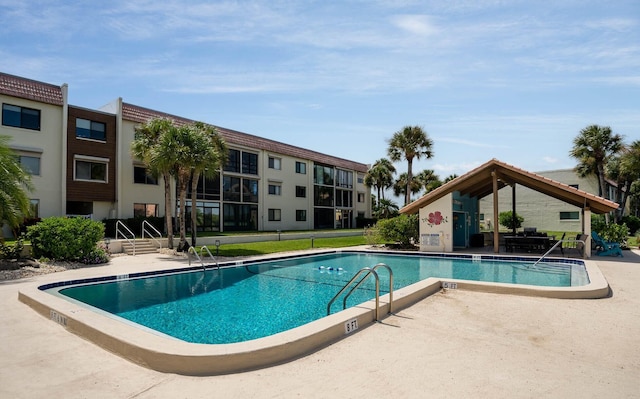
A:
(245, 302)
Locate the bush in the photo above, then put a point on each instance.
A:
(403, 229)
(616, 233)
(633, 223)
(65, 239)
(506, 219)
(11, 251)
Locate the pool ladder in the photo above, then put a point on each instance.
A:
(192, 250)
(367, 271)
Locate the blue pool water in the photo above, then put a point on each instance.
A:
(240, 303)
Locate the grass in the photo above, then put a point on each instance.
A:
(269, 247)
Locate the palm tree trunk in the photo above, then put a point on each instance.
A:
(168, 209)
(603, 187)
(407, 195)
(194, 212)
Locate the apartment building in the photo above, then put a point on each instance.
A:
(81, 164)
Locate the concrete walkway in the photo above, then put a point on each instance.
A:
(450, 345)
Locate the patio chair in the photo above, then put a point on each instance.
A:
(604, 248)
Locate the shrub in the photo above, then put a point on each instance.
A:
(65, 239)
(372, 236)
(403, 229)
(633, 223)
(11, 251)
(615, 233)
(506, 219)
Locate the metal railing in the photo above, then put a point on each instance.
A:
(146, 224)
(131, 240)
(368, 271)
(584, 246)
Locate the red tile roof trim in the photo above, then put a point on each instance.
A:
(30, 89)
(138, 114)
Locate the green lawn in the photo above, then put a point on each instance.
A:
(269, 247)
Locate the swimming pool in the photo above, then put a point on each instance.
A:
(288, 280)
(240, 303)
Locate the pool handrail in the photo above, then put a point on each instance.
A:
(369, 271)
(205, 248)
(146, 224)
(584, 251)
(132, 241)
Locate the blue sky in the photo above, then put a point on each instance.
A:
(512, 80)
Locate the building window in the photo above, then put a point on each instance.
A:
(274, 215)
(360, 197)
(570, 215)
(360, 178)
(322, 196)
(240, 217)
(249, 163)
(231, 188)
(344, 198)
(26, 118)
(275, 189)
(301, 168)
(233, 162)
(323, 175)
(301, 192)
(344, 179)
(145, 210)
(274, 163)
(142, 175)
(91, 130)
(30, 164)
(90, 170)
(301, 215)
(249, 190)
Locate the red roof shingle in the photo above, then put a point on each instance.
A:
(17, 86)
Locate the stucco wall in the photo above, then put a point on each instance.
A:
(436, 228)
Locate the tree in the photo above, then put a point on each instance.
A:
(385, 209)
(15, 183)
(593, 148)
(428, 180)
(410, 143)
(628, 172)
(401, 184)
(380, 176)
(160, 162)
(508, 220)
(211, 155)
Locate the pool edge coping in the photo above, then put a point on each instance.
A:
(174, 356)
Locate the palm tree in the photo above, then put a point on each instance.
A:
(380, 176)
(592, 148)
(208, 159)
(409, 143)
(401, 185)
(386, 209)
(15, 182)
(428, 180)
(146, 148)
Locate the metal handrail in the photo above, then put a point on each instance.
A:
(204, 247)
(369, 271)
(154, 230)
(584, 243)
(124, 226)
(192, 250)
(379, 265)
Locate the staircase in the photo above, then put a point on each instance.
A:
(142, 247)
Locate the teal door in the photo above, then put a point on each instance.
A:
(460, 232)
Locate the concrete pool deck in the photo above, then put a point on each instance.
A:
(451, 344)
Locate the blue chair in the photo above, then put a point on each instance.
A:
(604, 248)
